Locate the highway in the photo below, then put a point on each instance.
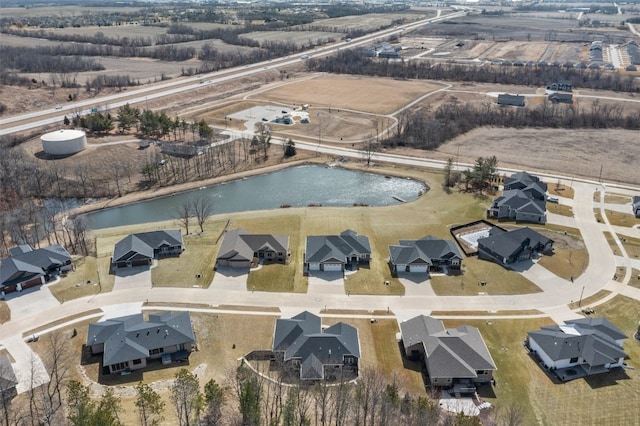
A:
(142, 95)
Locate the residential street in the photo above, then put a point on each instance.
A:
(38, 308)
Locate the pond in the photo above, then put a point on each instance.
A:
(296, 187)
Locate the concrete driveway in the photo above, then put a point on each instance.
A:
(227, 278)
(30, 301)
(29, 369)
(416, 284)
(326, 283)
(134, 277)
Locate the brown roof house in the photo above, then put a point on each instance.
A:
(241, 249)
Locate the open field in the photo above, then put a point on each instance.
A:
(616, 199)
(364, 94)
(622, 219)
(5, 312)
(635, 278)
(630, 244)
(299, 38)
(560, 190)
(560, 209)
(367, 22)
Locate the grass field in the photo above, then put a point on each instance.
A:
(194, 267)
(622, 219)
(5, 312)
(616, 199)
(560, 209)
(560, 190)
(630, 244)
(635, 278)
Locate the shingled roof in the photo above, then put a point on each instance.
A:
(25, 264)
(449, 352)
(302, 337)
(592, 339)
(506, 244)
(142, 245)
(130, 337)
(336, 247)
(238, 244)
(423, 250)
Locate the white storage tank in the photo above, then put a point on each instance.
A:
(64, 142)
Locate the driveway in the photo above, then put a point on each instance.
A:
(29, 369)
(416, 284)
(326, 283)
(227, 278)
(30, 301)
(133, 277)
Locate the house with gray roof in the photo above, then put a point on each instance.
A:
(561, 98)
(450, 355)
(303, 347)
(130, 343)
(427, 254)
(240, 249)
(635, 205)
(27, 267)
(578, 348)
(507, 247)
(336, 252)
(518, 205)
(140, 249)
(8, 379)
(510, 100)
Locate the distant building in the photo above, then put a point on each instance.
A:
(561, 98)
(511, 100)
(562, 85)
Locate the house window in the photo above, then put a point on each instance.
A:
(481, 372)
(156, 351)
(280, 254)
(573, 360)
(137, 361)
(119, 366)
(269, 254)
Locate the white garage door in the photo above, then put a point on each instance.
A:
(332, 267)
(314, 266)
(419, 268)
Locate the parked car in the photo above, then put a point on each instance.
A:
(553, 200)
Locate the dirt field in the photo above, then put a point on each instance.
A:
(364, 94)
(367, 22)
(524, 51)
(300, 38)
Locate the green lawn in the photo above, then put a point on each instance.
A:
(85, 280)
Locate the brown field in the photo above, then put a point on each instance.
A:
(109, 31)
(519, 50)
(300, 38)
(364, 94)
(367, 22)
(60, 10)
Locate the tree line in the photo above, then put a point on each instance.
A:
(353, 62)
(429, 130)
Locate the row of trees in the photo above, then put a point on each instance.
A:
(428, 130)
(353, 62)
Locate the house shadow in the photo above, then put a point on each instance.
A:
(231, 272)
(410, 364)
(329, 277)
(136, 376)
(485, 390)
(522, 266)
(130, 271)
(414, 277)
(610, 378)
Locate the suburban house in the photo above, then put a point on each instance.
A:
(578, 348)
(507, 247)
(523, 199)
(240, 249)
(140, 249)
(427, 254)
(511, 100)
(562, 85)
(26, 267)
(304, 348)
(336, 252)
(129, 343)
(561, 98)
(452, 356)
(635, 204)
(8, 380)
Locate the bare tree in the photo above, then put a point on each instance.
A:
(183, 212)
(186, 398)
(149, 404)
(202, 208)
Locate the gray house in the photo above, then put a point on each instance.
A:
(635, 205)
(303, 347)
(28, 268)
(424, 255)
(451, 355)
(578, 348)
(561, 98)
(511, 100)
(239, 249)
(518, 205)
(129, 343)
(140, 249)
(336, 252)
(507, 247)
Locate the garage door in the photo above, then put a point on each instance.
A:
(333, 267)
(419, 268)
(314, 266)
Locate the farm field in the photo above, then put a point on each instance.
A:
(368, 22)
(299, 38)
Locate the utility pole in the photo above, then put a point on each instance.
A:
(580, 301)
